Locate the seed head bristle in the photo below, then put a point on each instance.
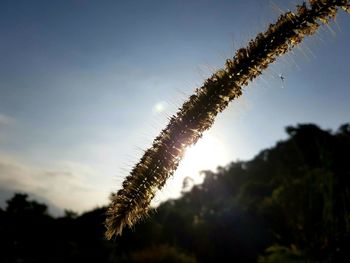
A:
(198, 113)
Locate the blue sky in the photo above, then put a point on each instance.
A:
(86, 85)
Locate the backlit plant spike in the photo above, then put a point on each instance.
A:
(198, 113)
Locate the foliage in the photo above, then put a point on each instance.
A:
(277, 254)
(290, 203)
(197, 114)
(161, 254)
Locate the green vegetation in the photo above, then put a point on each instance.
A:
(197, 114)
(291, 203)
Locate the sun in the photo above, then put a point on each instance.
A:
(207, 154)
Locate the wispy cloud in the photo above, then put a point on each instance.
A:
(67, 187)
(6, 123)
(6, 120)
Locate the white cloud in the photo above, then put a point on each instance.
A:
(67, 186)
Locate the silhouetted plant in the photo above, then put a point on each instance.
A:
(198, 113)
(161, 254)
(290, 203)
(278, 253)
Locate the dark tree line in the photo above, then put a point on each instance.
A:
(291, 203)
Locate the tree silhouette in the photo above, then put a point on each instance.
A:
(198, 113)
(288, 204)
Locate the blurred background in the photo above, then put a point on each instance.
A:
(85, 87)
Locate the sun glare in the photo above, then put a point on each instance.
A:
(209, 153)
(159, 107)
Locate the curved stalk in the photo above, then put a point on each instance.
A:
(198, 113)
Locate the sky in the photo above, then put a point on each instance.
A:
(85, 86)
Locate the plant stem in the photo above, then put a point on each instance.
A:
(198, 113)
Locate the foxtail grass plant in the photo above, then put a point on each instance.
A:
(197, 114)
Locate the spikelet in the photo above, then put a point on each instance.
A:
(197, 114)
